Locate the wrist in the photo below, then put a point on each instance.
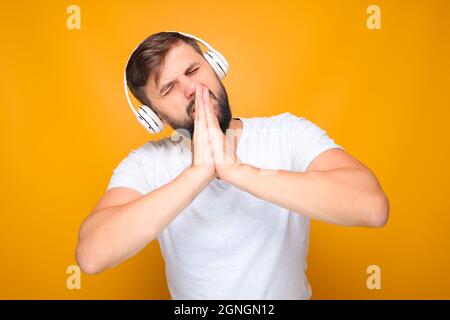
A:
(233, 175)
(201, 173)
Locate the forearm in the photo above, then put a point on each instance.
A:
(109, 236)
(346, 196)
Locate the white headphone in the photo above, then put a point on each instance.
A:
(145, 115)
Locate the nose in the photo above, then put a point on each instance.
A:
(188, 87)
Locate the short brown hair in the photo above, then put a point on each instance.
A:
(148, 58)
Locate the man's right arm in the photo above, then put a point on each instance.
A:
(124, 221)
(116, 231)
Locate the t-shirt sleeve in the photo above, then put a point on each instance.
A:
(308, 141)
(130, 174)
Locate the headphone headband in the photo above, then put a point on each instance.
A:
(206, 44)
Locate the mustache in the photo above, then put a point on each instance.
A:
(191, 103)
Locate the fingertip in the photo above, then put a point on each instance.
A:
(197, 90)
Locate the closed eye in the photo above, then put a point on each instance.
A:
(192, 71)
(187, 73)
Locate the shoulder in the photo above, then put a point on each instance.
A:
(146, 154)
(285, 121)
(153, 148)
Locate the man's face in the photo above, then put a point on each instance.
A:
(173, 97)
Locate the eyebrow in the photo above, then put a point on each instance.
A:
(168, 84)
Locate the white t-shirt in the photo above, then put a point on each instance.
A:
(228, 244)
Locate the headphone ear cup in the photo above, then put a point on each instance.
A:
(218, 66)
(221, 59)
(144, 121)
(150, 120)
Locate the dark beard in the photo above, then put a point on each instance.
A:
(224, 117)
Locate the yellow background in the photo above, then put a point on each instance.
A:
(382, 94)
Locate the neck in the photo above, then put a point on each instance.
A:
(235, 124)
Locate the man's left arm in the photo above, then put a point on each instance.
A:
(335, 188)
